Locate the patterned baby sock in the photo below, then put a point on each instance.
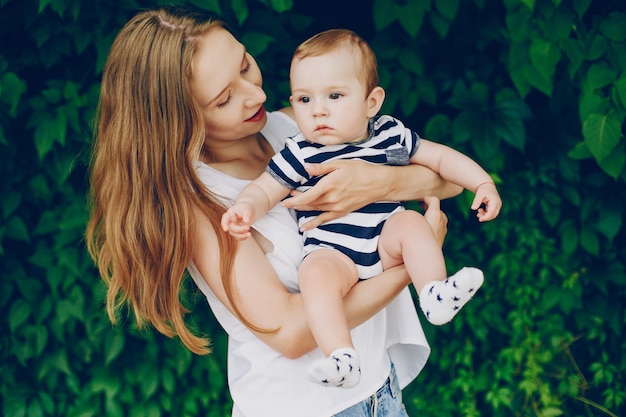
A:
(441, 300)
(341, 369)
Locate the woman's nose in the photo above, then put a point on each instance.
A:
(256, 94)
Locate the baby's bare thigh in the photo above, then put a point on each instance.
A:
(399, 230)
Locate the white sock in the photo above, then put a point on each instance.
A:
(441, 300)
(340, 369)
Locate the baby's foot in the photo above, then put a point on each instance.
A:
(340, 369)
(441, 300)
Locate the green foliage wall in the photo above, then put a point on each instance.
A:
(533, 89)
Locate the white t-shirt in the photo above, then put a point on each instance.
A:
(262, 382)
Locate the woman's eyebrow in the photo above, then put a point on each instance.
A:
(221, 93)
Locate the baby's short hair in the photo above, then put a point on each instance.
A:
(335, 39)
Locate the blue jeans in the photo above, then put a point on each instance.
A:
(386, 402)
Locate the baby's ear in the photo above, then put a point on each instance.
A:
(291, 100)
(375, 101)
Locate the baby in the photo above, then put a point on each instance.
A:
(336, 98)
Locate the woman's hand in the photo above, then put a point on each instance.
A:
(346, 187)
(436, 218)
(349, 185)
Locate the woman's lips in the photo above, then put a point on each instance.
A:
(257, 116)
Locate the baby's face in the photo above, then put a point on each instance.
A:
(328, 99)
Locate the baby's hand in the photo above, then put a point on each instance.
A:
(236, 221)
(487, 202)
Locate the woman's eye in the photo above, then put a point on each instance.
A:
(246, 69)
(225, 102)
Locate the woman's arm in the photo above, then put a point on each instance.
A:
(352, 184)
(264, 300)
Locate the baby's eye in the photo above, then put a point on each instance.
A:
(304, 99)
(335, 96)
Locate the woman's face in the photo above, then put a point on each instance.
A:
(227, 84)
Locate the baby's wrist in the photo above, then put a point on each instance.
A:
(483, 183)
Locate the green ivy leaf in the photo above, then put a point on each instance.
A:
(569, 236)
(113, 345)
(614, 163)
(168, 379)
(47, 402)
(448, 8)
(602, 133)
(113, 407)
(281, 5)
(610, 223)
(600, 75)
(591, 103)
(573, 49)
(613, 26)
(384, 14)
(38, 337)
(412, 62)
(30, 288)
(256, 42)
(240, 8)
(551, 412)
(620, 89)
(149, 381)
(48, 222)
(518, 26)
(16, 229)
(61, 362)
(19, 312)
(589, 240)
(10, 202)
(50, 128)
(34, 408)
(511, 131)
(103, 382)
(411, 16)
(537, 80)
(409, 103)
(11, 90)
(596, 46)
(441, 25)
(581, 7)
(544, 56)
(438, 127)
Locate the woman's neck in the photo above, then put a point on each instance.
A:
(244, 159)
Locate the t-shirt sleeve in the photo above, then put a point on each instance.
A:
(287, 167)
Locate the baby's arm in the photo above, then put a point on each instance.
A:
(254, 201)
(462, 170)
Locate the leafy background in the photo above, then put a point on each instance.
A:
(535, 90)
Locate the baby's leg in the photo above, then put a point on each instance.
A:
(407, 237)
(325, 277)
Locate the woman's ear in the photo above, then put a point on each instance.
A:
(375, 101)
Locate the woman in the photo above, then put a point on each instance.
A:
(181, 129)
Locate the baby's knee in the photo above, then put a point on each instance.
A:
(407, 219)
(327, 266)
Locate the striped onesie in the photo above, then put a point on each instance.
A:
(356, 234)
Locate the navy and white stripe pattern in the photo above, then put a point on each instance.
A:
(355, 234)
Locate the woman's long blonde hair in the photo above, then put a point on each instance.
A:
(149, 134)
